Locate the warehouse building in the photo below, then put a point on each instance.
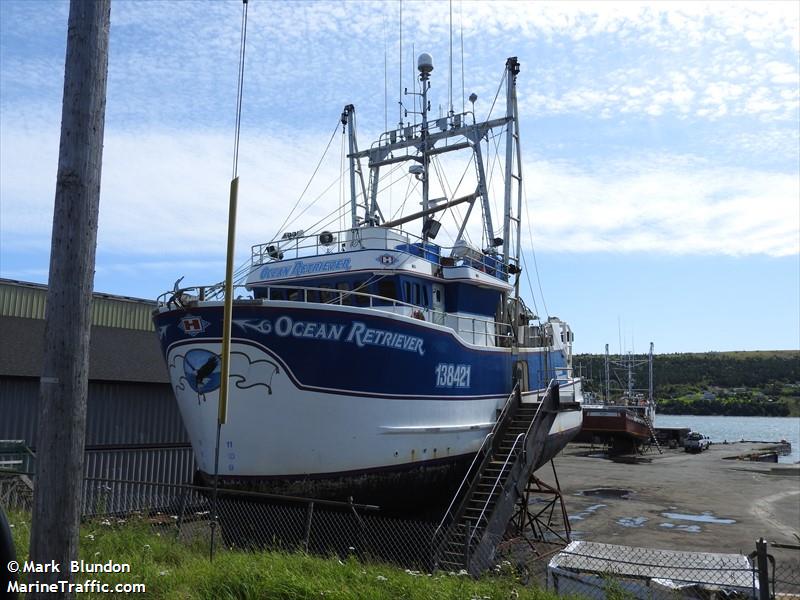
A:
(134, 429)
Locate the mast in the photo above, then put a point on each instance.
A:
(425, 66)
(650, 398)
(512, 142)
(512, 136)
(630, 375)
(420, 142)
(348, 120)
(608, 379)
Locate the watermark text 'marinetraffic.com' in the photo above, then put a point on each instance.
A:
(90, 585)
(64, 586)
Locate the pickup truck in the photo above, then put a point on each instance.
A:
(696, 442)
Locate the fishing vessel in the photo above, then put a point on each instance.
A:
(624, 419)
(371, 361)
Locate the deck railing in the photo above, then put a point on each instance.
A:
(478, 331)
(332, 243)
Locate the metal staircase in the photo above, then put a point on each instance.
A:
(481, 509)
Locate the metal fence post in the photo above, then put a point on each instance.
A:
(179, 520)
(309, 515)
(763, 571)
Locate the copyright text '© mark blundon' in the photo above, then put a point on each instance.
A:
(75, 566)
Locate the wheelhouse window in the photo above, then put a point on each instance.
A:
(387, 289)
(343, 287)
(361, 288)
(416, 293)
(327, 294)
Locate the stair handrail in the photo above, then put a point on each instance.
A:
(463, 481)
(553, 382)
(497, 481)
(481, 451)
(494, 487)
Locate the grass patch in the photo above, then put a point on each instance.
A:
(174, 569)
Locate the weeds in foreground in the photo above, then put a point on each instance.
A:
(180, 569)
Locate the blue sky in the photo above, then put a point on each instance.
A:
(660, 144)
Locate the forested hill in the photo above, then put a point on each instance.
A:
(735, 383)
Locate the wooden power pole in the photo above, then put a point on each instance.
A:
(65, 368)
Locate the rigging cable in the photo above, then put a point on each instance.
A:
(242, 42)
(450, 80)
(341, 185)
(222, 404)
(400, 81)
(461, 25)
(319, 164)
(533, 253)
(385, 77)
(451, 193)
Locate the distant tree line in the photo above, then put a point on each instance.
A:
(738, 408)
(711, 383)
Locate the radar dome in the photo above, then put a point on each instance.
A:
(425, 63)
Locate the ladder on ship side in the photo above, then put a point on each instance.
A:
(485, 503)
(652, 433)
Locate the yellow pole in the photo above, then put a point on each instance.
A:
(222, 416)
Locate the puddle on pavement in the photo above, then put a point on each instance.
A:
(687, 528)
(606, 493)
(587, 512)
(705, 517)
(632, 521)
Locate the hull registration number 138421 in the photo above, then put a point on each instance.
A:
(452, 376)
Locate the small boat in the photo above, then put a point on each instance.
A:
(609, 421)
(370, 362)
(624, 421)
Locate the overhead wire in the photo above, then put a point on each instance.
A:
(341, 184)
(239, 91)
(311, 179)
(450, 79)
(461, 26)
(533, 253)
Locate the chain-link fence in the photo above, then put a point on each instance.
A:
(596, 570)
(784, 562)
(247, 520)
(253, 521)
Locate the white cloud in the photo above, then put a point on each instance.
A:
(172, 88)
(165, 197)
(672, 205)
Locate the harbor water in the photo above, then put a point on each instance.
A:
(735, 429)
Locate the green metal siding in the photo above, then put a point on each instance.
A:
(27, 300)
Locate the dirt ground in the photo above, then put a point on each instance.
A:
(681, 501)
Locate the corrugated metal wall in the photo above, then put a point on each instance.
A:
(133, 428)
(160, 465)
(106, 488)
(27, 300)
(118, 413)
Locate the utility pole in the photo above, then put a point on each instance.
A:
(65, 369)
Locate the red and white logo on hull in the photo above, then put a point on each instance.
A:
(192, 325)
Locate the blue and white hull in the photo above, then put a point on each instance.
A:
(371, 361)
(338, 401)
